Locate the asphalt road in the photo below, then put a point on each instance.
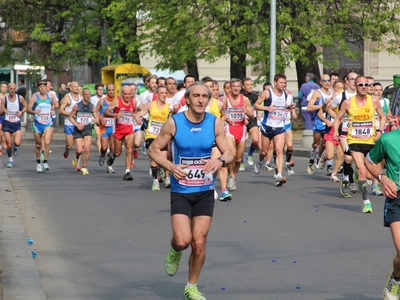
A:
(99, 237)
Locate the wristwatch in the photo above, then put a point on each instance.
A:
(221, 158)
(380, 177)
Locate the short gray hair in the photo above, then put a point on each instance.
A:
(310, 76)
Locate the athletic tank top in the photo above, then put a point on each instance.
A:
(275, 119)
(236, 113)
(191, 143)
(318, 123)
(109, 121)
(157, 118)
(44, 116)
(213, 108)
(13, 107)
(125, 123)
(69, 108)
(84, 113)
(361, 122)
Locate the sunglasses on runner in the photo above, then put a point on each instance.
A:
(326, 80)
(363, 84)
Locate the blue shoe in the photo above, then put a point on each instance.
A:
(225, 196)
(10, 164)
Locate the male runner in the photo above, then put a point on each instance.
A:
(159, 111)
(387, 149)
(67, 103)
(12, 108)
(192, 135)
(273, 123)
(3, 94)
(237, 107)
(362, 133)
(83, 115)
(123, 110)
(107, 126)
(99, 87)
(42, 105)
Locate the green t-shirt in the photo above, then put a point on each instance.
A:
(387, 147)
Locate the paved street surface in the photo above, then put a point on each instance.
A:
(99, 237)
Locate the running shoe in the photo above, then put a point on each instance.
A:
(85, 171)
(289, 169)
(110, 161)
(392, 287)
(367, 208)
(78, 168)
(41, 156)
(317, 163)
(155, 186)
(225, 196)
(110, 170)
(192, 293)
(334, 178)
(355, 172)
(15, 150)
(234, 187)
(39, 168)
(369, 182)
(74, 162)
(292, 164)
(172, 262)
(353, 188)
(310, 169)
(167, 183)
(329, 171)
(135, 154)
(102, 160)
(321, 164)
(127, 176)
(340, 171)
(132, 164)
(249, 159)
(280, 180)
(66, 153)
(345, 189)
(258, 166)
(376, 190)
(268, 167)
(242, 167)
(231, 182)
(10, 164)
(46, 166)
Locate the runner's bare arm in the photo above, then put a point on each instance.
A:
(65, 102)
(108, 112)
(258, 105)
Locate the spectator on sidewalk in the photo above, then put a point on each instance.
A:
(305, 90)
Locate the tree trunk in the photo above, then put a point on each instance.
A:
(302, 69)
(193, 68)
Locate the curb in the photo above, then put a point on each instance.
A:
(20, 278)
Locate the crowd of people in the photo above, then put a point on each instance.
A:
(196, 133)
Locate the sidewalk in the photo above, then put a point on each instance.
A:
(19, 277)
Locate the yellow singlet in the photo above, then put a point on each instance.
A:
(361, 122)
(157, 118)
(213, 108)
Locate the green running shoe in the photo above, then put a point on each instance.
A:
(192, 293)
(391, 290)
(367, 208)
(172, 262)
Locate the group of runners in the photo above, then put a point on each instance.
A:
(195, 135)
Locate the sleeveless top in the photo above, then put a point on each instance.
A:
(125, 123)
(275, 119)
(361, 122)
(13, 107)
(191, 143)
(235, 112)
(84, 113)
(70, 107)
(157, 118)
(44, 116)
